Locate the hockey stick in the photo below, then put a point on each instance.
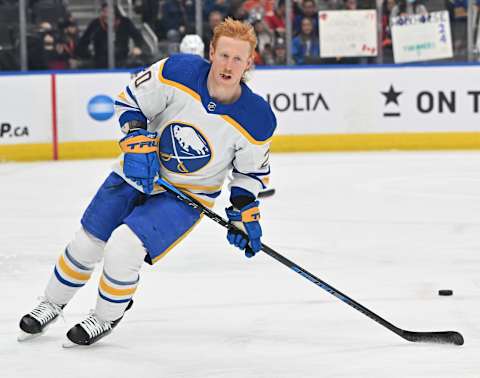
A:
(266, 193)
(443, 337)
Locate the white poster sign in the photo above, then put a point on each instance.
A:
(348, 33)
(85, 106)
(421, 37)
(26, 109)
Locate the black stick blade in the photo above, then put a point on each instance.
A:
(446, 337)
(266, 193)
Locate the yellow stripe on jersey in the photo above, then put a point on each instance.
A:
(172, 83)
(123, 96)
(239, 127)
(189, 187)
(198, 187)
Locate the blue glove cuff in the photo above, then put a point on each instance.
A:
(233, 215)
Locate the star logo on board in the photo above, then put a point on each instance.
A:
(391, 97)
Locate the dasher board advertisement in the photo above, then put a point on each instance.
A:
(25, 110)
(380, 100)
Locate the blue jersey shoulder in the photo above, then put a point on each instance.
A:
(255, 115)
(184, 69)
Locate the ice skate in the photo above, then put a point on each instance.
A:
(90, 330)
(36, 322)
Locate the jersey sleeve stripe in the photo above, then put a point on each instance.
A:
(253, 176)
(239, 127)
(131, 95)
(257, 174)
(119, 103)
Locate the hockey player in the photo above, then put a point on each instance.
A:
(193, 44)
(190, 122)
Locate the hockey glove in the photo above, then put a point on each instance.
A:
(140, 161)
(247, 220)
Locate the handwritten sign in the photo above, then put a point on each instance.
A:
(421, 37)
(348, 33)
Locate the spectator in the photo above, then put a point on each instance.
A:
(458, 10)
(54, 55)
(221, 6)
(408, 7)
(350, 5)
(173, 42)
(149, 10)
(44, 27)
(268, 55)
(263, 6)
(264, 35)
(70, 38)
(276, 21)
(335, 4)
(280, 53)
(214, 18)
(308, 10)
(97, 34)
(238, 12)
(305, 46)
(387, 47)
(35, 45)
(178, 15)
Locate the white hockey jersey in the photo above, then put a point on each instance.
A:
(200, 139)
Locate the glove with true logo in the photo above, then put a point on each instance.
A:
(246, 219)
(140, 160)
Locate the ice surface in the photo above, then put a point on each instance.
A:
(387, 229)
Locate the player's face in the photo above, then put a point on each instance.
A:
(230, 59)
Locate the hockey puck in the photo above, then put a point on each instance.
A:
(445, 292)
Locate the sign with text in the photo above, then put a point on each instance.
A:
(348, 33)
(421, 37)
(25, 110)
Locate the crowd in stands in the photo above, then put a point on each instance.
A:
(55, 42)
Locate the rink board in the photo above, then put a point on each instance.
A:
(69, 115)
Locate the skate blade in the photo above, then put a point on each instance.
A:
(24, 336)
(68, 344)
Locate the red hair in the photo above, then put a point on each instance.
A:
(235, 29)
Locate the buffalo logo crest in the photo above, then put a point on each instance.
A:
(183, 148)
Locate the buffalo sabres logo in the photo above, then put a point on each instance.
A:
(211, 106)
(183, 149)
